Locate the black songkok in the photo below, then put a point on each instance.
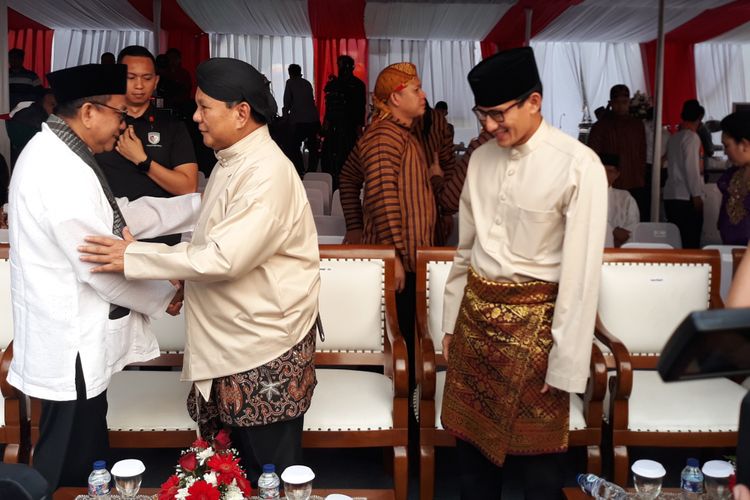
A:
(88, 80)
(229, 80)
(503, 77)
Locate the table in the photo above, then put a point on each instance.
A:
(575, 493)
(71, 493)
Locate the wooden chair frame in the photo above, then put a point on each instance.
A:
(621, 384)
(15, 433)
(428, 363)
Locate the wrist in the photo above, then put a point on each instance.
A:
(145, 165)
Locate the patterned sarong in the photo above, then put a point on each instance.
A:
(496, 369)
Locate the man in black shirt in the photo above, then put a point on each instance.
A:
(154, 156)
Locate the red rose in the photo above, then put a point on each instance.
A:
(188, 462)
(169, 488)
(244, 485)
(200, 444)
(222, 441)
(201, 490)
(224, 464)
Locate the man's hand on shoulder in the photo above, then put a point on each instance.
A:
(107, 251)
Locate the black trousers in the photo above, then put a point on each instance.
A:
(690, 222)
(542, 475)
(279, 443)
(406, 304)
(642, 198)
(307, 133)
(72, 435)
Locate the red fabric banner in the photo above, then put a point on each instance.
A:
(34, 39)
(510, 30)
(338, 28)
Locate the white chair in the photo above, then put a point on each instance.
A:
(324, 189)
(320, 176)
(657, 232)
(636, 244)
(336, 207)
(711, 206)
(433, 266)
(351, 407)
(644, 295)
(315, 198)
(727, 266)
(329, 225)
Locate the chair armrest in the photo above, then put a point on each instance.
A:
(596, 389)
(425, 357)
(8, 391)
(399, 356)
(623, 365)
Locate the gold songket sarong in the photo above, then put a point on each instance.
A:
(496, 369)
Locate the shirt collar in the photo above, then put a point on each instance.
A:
(534, 141)
(239, 148)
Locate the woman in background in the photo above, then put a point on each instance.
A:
(734, 184)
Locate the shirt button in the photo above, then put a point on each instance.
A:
(502, 197)
(511, 172)
(498, 220)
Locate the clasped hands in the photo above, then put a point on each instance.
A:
(110, 254)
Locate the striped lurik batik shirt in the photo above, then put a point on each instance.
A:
(398, 207)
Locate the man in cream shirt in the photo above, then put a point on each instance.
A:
(520, 300)
(73, 329)
(251, 271)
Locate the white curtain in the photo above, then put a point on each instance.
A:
(271, 55)
(721, 76)
(259, 17)
(567, 68)
(442, 66)
(82, 14)
(454, 20)
(630, 21)
(74, 47)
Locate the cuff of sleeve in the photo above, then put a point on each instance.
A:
(195, 205)
(566, 383)
(131, 266)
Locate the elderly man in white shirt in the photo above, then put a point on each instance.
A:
(520, 300)
(74, 329)
(622, 213)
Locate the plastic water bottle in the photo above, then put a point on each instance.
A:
(99, 480)
(691, 480)
(600, 488)
(268, 483)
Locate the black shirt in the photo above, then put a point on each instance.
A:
(165, 140)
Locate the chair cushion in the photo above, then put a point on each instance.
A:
(2, 412)
(148, 400)
(350, 400)
(577, 420)
(691, 406)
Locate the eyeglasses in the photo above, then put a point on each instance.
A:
(497, 115)
(123, 113)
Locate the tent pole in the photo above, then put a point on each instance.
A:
(659, 95)
(157, 27)
(527, 33)
(4, 98)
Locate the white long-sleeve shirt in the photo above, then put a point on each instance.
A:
(683, 163)
(60, 308)
(622, 211)
(537, 212)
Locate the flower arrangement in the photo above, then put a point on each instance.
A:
(640, 105)
(208, 471)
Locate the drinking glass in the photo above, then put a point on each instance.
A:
(128, 475)
(297, 482)
(647, 478)
(716, 474)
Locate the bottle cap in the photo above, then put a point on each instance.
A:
(648, 468)
(128, 468)
(338, 496)
(100, 464)
(718, 469)
(297, 474)
(693, 462)
(269, 468)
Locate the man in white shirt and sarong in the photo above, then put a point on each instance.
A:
(252, 273)
(520, 300)
(73, 329)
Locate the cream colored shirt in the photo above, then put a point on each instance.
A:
(252, 269)
(537, 211)
(623, 212)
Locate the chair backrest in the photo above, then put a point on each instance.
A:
(320, 176)
(710, 234)
(336, 207)
(737, 255)
(356, 291)
(645, 294)
(329, 225)
(325, 191)
(641, 244)
(330, 240)
(315, 198)
(727, 266)
(6, 305)
(170, 332)
(657, 232)
(433, 266)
